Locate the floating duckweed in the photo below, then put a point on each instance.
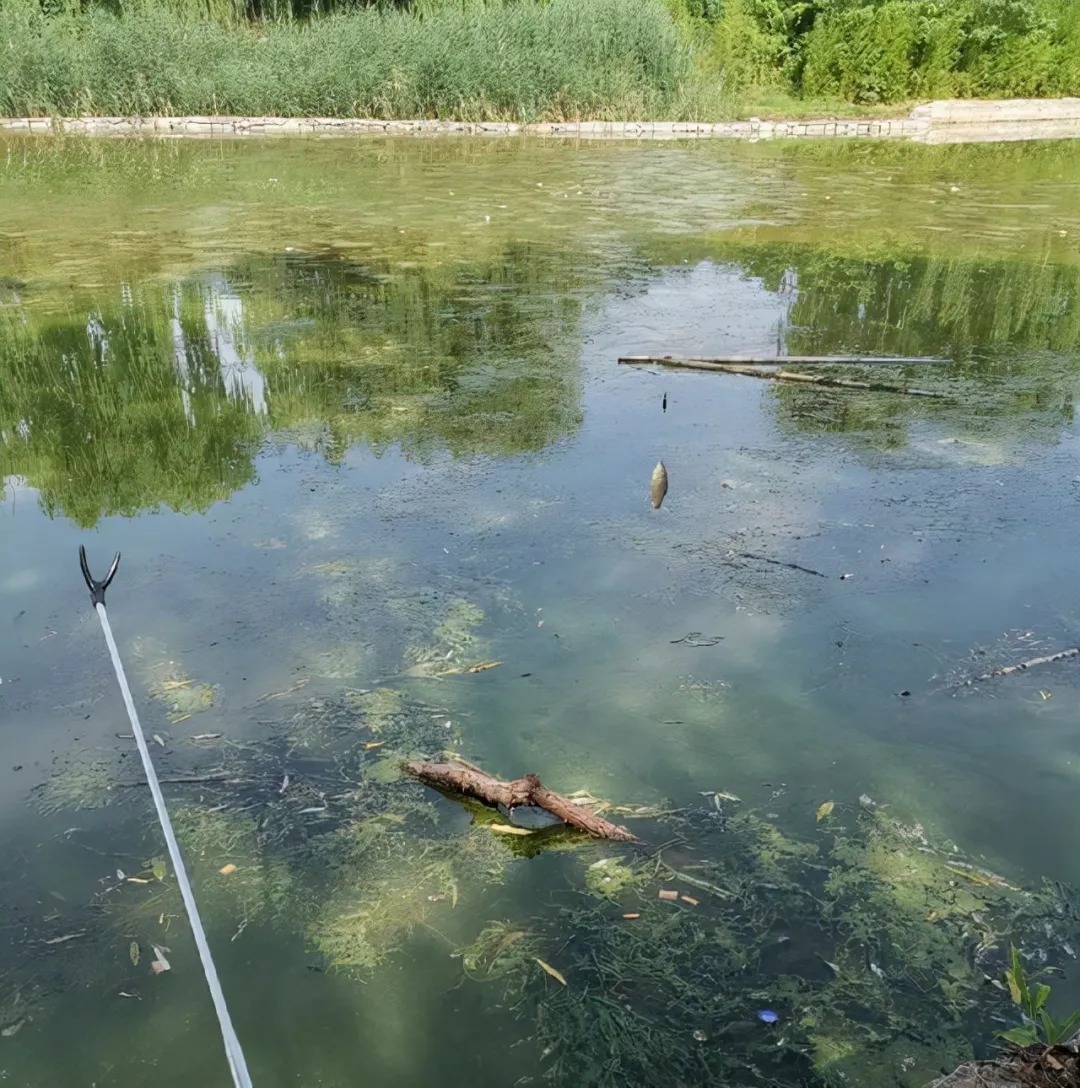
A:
(500, 950)
(610, 877)
(81, 783)
(343, 661)
(375, 708)
(182, 695)
(456, 631)
(453, 638)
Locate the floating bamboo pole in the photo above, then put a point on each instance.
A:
(786, 360)
(759, 371)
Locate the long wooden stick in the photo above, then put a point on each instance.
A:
(750, 371)
(467, 779)
(776, 360)
(1023, 666)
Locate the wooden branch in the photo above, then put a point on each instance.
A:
(751, 371)
(789, 360)
(466, 779)
(1008, 670)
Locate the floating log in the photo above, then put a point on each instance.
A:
(759, 371)
(466, 779)
(786, 360)
(1023, 666)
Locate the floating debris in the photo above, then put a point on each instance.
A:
(767, 1016)
(825, 810)
(556, 975)
(658, 486)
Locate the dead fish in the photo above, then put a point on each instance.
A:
(658, 485)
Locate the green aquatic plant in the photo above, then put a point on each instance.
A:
(1031, 996)
(611, 877)
(868, 941)
(452, 638)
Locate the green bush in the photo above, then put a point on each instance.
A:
(901, 49)
(895, 51)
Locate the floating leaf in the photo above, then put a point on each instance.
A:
(158, 868)
(556, 975)
(825, 810)
(507, 829)
(483, 666)
(160, 963)
(157, 738)
(120, 875)
(226, 869)
(134, 953)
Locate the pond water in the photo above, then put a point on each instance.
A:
(353, 414)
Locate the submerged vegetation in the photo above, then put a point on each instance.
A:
(843, 945)
(523, 59)
(854, 948)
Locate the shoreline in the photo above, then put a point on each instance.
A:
(939, 122)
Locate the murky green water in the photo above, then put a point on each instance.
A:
(351, 410)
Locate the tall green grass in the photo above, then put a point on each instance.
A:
(526, 60)
(564, 59)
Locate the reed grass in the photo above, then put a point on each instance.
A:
(561, 60)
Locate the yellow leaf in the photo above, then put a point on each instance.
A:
(825, 809)
(373, 744)
(483, 666)
(556, 975)
(507, 829)
(134, 953)
(1014, 989)
(158, 866)
(226, 869)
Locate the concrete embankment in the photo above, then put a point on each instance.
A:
(943, 122)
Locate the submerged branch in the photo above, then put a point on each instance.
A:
(468, 780)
